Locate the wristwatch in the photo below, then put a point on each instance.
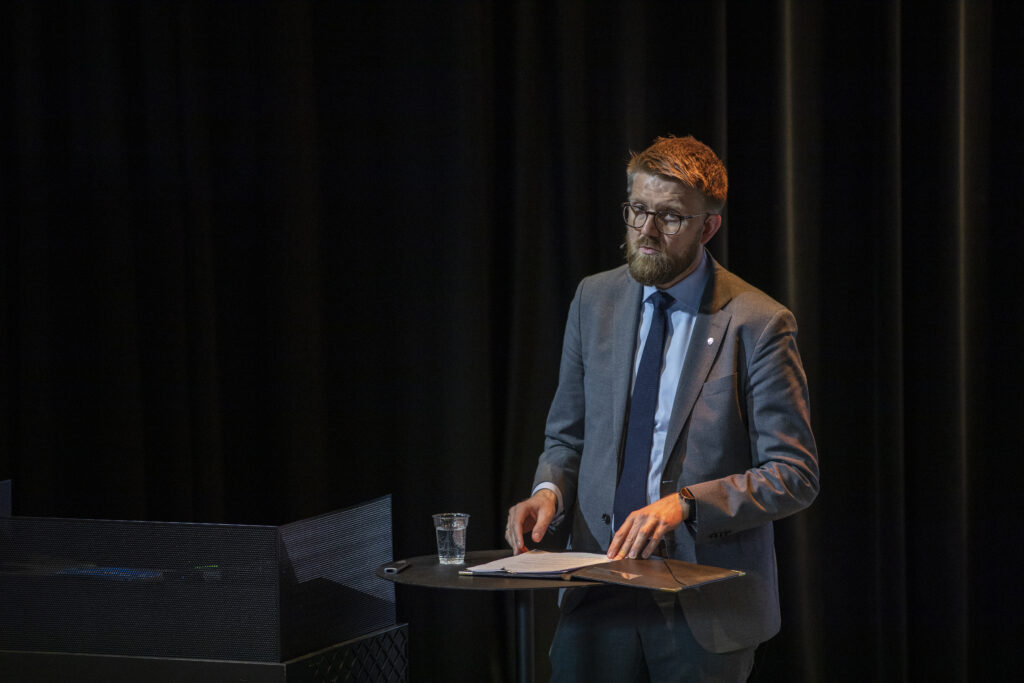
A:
(691, 505)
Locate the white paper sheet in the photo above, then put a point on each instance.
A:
(539, 562)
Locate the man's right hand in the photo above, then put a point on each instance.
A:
(534, 515)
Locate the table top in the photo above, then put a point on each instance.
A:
(426, 571)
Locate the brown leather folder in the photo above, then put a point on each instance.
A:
(656, 574)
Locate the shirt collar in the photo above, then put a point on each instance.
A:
(688, 291)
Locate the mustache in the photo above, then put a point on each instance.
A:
(643, 242)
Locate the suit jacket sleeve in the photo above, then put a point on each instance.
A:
(767, 392)
(564, 431)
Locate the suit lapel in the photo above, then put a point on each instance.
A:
(709, 329)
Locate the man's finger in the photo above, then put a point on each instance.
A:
(637, 545)
(513, 530)
(540, 527)
(652, 545)
(646, 539)
(617, 541)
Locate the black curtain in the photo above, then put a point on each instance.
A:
(264, 260)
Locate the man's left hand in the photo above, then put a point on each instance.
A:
(644, 529)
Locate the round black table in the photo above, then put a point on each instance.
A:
(427, 572)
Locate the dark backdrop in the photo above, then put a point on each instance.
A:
(264, 260)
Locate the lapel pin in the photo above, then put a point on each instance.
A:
(711, 340)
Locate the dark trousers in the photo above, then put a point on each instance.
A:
(625, 635)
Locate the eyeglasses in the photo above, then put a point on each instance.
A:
(667, 222)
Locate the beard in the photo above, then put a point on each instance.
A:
(656, 269)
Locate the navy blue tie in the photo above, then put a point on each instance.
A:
(631, 493)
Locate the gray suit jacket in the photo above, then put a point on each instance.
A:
(739, 438)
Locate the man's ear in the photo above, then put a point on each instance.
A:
(711, 225)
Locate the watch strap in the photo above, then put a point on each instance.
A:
(691, 505)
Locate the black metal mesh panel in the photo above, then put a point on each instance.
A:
(378, 657)
(152, 589)
(382, 658)
(196, 591)
(333, 593)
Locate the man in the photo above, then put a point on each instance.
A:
(689, 451)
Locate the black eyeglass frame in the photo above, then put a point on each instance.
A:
(659, 217)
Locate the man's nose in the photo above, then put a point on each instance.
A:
(650, 226)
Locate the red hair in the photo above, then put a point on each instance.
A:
(687, 160)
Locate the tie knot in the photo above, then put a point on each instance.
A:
(661, 300)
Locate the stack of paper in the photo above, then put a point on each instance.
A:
(538, 563)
